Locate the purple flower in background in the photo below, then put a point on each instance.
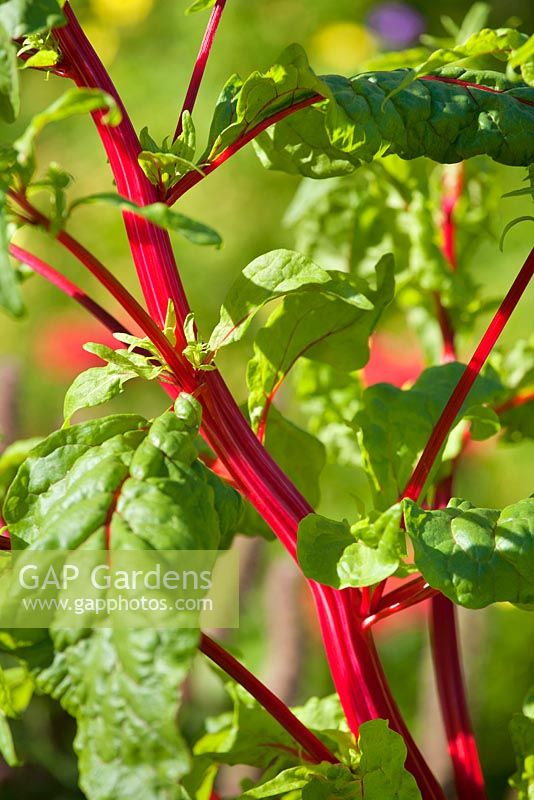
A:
(398, 24)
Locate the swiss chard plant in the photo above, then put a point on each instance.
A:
(397, 192)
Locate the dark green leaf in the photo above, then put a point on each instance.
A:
(475, 556)
(437, 119)
(498, 43)
(128, 483)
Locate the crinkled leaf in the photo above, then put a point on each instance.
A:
(159, 214)
(22, 17)
(163, 499)
(9, 83)
(393, 425)
(331, 324)
(475, 556)
(122, 687)
(437, 119)
(522, 734)
(124, 482)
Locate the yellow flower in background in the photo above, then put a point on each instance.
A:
(104, 39)
(122, 12)
(342, 45)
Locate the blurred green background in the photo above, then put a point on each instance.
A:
(149, 47)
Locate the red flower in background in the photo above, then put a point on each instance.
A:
(393, 361)
(58, 350)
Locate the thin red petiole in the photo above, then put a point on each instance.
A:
(312, 745)
(194, 177)
(67, 287)
(450, 412)
(391, 603)
(200, 63)
(110, 282)
(448, 668)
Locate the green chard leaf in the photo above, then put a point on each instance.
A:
(9, 83)
(72, 103)
(475, 556)
(340, 555)
(164, 165)
(10, 294)
(16, 689)
(200, 5)
(320, 782)
(393, 425)
(328, 399)
(370, 115)
(301, 455)
(97, 385)
(124, 482)
(331, 325)
(244, 104)
(522, 733)
(383, 754)
(159, 214)
(11, 459)
(23, 17)
(498, 43)
(272, 275)
(239, 736)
